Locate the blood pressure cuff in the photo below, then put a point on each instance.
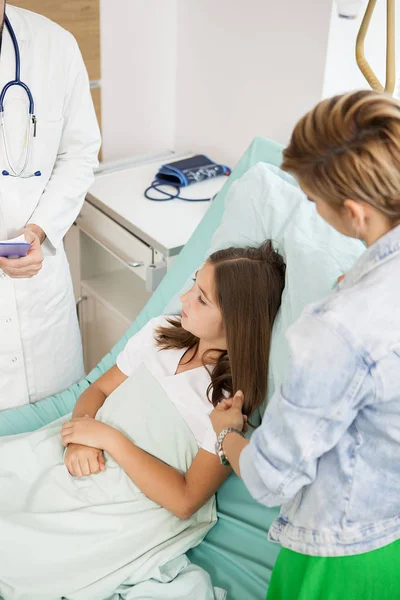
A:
(190, 170)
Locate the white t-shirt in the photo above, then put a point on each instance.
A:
(187, 390)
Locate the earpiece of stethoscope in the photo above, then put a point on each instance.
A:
(36, 174)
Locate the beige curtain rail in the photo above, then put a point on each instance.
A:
(390, 48)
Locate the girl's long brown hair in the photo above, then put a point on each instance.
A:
(248, 289)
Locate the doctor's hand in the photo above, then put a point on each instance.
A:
(29, 265)
(228, 413)
(83, 460)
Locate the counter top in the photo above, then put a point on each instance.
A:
(165, 226)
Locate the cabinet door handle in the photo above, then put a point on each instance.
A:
(131, 264)
(78, 303)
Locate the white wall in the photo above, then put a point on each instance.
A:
(138, 64)
(246, 69)
(342, 73)
(208, 75)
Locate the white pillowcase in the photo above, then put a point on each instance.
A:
(266, 203)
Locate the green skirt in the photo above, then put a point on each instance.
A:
(374, 575)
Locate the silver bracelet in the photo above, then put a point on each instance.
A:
(218, 446)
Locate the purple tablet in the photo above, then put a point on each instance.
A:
(14, 250)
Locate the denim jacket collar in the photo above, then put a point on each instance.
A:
(383, 249)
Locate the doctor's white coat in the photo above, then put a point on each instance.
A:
(40, 348)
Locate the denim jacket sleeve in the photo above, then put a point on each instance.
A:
(306, 417)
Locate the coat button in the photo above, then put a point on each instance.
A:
(2, 274)
(8, 320)
(14, 359)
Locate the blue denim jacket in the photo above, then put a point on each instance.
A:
(328, 449)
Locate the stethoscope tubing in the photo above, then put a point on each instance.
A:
(32, 118)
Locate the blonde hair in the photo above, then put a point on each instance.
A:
(349, 147)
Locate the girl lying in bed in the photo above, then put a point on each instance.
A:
(140, 445)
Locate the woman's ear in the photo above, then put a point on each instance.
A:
(356, 217)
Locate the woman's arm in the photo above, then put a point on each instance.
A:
(93, 398)
(326, 386)
(228, 413)
(182, 494)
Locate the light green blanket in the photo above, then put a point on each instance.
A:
(80, 538)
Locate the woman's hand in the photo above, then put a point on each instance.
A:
(83, 460)
(228, 413)
(88, 432)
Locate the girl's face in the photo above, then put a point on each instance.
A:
(200, 313)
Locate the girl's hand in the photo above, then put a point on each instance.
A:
(228, 413)
(82, 460)
(87, 432)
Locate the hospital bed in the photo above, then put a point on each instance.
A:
(236, 552)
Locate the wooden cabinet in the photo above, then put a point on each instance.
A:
(82, 19)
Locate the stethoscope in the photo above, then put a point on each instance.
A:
(31, 130)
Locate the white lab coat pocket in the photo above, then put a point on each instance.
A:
(45, 147)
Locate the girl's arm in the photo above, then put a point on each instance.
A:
(80, 460)
(182, 494)
(93, 398)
